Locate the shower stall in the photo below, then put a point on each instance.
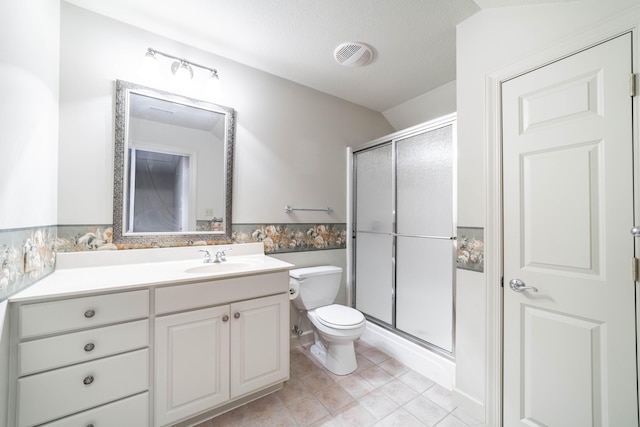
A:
(403, 229)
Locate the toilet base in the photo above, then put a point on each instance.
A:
(339, 358)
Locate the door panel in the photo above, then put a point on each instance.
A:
(259, 348)
(425, 184)
(374, 269)
(580, 362)
(569, 348)
(424, 294)
(191, 363)
(374, 185)
(374, 227)
(566, 206)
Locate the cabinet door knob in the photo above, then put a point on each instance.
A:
(236, 316)
(89, 314)
(88, 380)
(225, 318)
(89, 347)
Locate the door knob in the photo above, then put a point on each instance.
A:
(635, 231)
(518, 285)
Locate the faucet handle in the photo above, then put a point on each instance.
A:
(221, 255)
(207, 255)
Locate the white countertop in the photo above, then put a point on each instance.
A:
(78, 274)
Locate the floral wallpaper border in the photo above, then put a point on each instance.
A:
(470, 249)
(26, 256)
(29, 254)
(277, 238)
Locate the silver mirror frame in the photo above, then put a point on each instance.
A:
(123, 89)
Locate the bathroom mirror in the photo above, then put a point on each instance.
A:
(172, 168)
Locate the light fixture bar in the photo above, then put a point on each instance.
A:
(153, 51)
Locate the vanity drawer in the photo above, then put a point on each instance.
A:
(77, 313)
(62, 350)
(54, 394)
(132, 411)
(215, 292)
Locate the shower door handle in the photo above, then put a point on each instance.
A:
(518, 285)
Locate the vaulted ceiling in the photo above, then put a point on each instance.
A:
(413, 41)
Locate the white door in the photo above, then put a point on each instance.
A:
(570, 347)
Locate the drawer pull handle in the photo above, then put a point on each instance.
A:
(236, 316)
(225, 318)
(89, 425)
(88, 380)
(89, 314)
(89, 347)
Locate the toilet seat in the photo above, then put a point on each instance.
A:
(339, 316)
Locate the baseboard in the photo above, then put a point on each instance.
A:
(420, 359)
(470, 405)
(299, 340)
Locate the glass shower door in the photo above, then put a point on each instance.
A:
(373, 227)
(425, 242)
(404, 225)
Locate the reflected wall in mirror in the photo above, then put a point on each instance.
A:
(172, 168)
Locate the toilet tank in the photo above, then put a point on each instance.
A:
(318, 285)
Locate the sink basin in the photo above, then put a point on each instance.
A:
(221, 267)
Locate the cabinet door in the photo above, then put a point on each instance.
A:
(259, 343)
(192, 363)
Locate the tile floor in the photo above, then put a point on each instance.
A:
(381, 392)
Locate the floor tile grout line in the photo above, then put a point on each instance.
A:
(448, 412)
(302, 360)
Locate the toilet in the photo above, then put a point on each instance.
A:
(335, 326)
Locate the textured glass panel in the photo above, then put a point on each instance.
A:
(425, 183)
(373, 275)
(424, 289)
(373, 189)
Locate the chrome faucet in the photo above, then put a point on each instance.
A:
(220, 256)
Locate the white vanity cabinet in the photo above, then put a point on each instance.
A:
(145, 344)
(81, 361)
(218, 342)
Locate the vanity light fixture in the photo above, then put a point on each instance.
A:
(181, 68)
(182, 71)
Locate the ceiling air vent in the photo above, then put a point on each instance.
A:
(353, 54)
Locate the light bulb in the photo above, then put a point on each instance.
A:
(182, 71)
(149, 65)
(213, 83)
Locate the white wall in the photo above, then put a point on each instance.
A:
(486, 43)
(290, 139)
(428, 106)
(29, 42)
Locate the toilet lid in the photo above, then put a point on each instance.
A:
(339, 316)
